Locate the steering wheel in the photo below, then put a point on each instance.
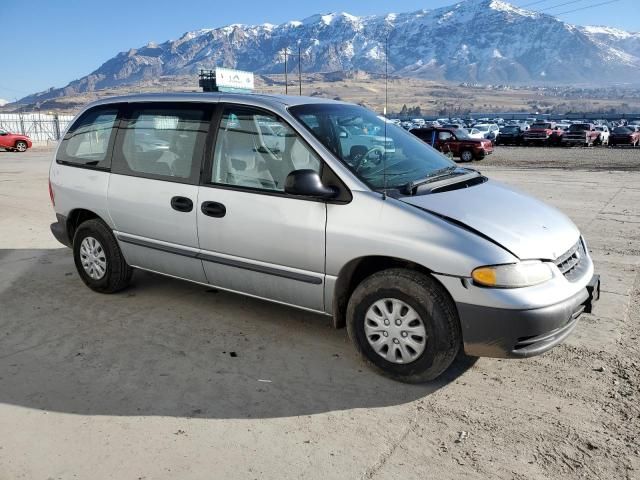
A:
(362, 160)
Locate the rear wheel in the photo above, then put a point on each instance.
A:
(21, 146)
(404, 325)
(98, 258)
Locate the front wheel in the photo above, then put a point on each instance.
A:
(404, 325)
(466, 156)
(21, 146)
(98, 258)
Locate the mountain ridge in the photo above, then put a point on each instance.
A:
(483, 41)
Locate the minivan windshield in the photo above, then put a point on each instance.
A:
(357, 137)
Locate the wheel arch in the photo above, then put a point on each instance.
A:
(355, 271)
(76, 217)
(20, 140)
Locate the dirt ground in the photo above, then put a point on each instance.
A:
(173, 380)
(589, 159)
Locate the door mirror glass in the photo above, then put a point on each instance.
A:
(307, 183)
(343, 134)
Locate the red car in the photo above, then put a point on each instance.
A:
(624, 136)
(543, 133)
(14, 142)
(456, 141)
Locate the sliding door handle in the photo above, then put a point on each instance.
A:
(181, 204)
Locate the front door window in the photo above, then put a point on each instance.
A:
(255, 149)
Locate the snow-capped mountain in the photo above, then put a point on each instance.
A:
(486, 41)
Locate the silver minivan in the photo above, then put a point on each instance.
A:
(263, 196)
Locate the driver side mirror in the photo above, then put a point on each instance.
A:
(343, 134)
(307, 183)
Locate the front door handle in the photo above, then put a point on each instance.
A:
(181, 204)
(213, 209)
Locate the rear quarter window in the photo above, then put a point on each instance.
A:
(423, 133)
(89, 140)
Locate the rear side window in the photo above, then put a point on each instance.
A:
(162, 142)
(423, 134)
(88, 141)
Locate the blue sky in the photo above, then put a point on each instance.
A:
(58, 41)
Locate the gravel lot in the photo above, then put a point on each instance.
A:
(591, 159)
(172, 380)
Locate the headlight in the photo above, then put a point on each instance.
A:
(516, 275)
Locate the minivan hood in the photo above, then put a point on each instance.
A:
(526, 227)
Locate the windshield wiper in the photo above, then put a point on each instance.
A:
(431, 177)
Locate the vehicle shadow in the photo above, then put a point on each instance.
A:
(167, 347)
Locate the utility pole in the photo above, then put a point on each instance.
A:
(286, 79)
(300, 67)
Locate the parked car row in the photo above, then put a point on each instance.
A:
(575, 134)
(546, 134)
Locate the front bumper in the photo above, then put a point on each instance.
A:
(574, 141)
(505, 333)
(482, 152)
(59, 230)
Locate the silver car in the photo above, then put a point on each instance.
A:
(416, 256)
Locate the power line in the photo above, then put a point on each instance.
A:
(587, 7)
(561, 5)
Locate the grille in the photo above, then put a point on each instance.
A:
(570, 262)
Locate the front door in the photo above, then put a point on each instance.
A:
(5, 139)
(254, 238)
(153, 189)
(447, 143)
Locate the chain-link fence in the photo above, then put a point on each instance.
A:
(40, 127)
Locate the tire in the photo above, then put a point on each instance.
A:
(115, 274)
(434, 310)
(466, 156)
(21, 146)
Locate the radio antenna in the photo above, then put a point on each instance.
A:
(386, 105)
